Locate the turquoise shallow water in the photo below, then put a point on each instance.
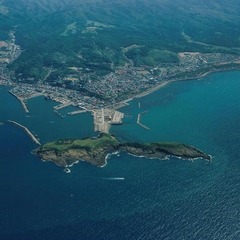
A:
(171, 199)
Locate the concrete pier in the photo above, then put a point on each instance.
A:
(116, 118)
(63, 105)
(77, 112)
(103, 118)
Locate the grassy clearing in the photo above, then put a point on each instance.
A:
(88, 143)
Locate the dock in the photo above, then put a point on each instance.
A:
(139, 121)
(116, 118)
(27, 131)
(104, 118)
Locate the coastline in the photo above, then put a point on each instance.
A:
(198, 77)
(125, 102)
(154, 89)
(163, 84)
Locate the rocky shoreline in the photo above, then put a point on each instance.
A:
(95, 150)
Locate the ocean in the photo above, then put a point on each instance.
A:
(130, 198)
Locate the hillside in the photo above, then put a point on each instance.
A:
(69, 43)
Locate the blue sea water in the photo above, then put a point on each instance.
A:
(149, 199)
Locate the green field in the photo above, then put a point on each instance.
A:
(88, 143)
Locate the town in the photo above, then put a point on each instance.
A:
(102, 96)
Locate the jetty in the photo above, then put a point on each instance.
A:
(63, 105)
(139, 121)
(59, 114)
(27, 131)
(77, 112)
(21, 101)
(105, 117)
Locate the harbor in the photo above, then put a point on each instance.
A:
(103, 118)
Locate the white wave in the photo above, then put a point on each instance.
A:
(67, 170)
(70, 165)
(114, 178)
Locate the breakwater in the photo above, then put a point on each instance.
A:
(27, 131)
(139, 120)
(77, 112)
(21, 101)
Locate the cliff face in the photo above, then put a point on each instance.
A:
(161, 150)
(67, 151)
(70, 156)
(95, 150)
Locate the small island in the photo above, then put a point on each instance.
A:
(66, 152)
